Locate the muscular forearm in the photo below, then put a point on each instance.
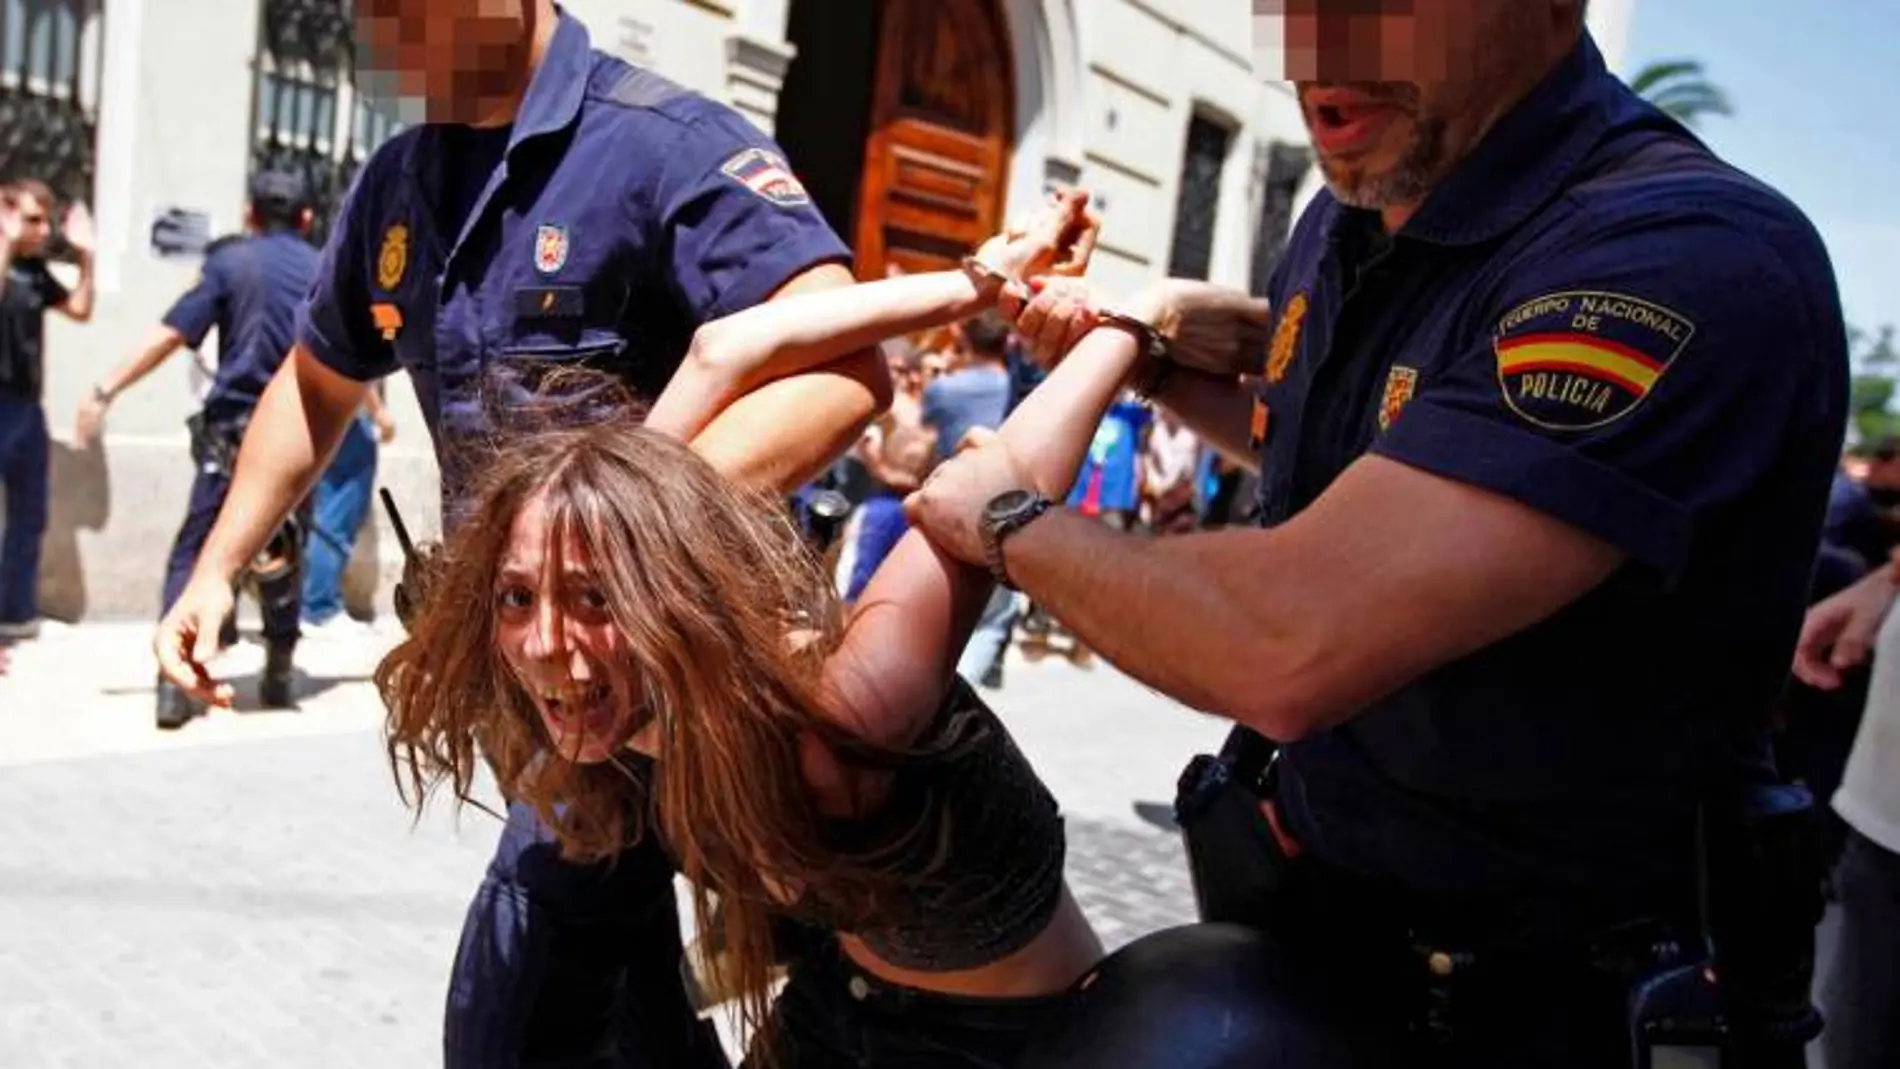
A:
(1218, 410)
(294, 430)
(1161, 613)
(787, 431)
(733, 356)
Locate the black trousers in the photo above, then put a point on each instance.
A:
(1495, 1010)
(833, 1015)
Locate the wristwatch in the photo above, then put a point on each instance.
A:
(1007, 513)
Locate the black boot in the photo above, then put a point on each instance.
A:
(275, 691)
(175, 707)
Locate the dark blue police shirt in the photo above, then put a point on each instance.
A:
(625, 212)
(1658, 360)
(250, 290)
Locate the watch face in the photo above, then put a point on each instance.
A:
(1005, 504)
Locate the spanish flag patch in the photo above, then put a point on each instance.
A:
(1578, 360)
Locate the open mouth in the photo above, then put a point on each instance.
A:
(588, 714)
(1348, 126)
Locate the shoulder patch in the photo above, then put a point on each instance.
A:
(766, 174)
(1580, 359)
(393, 260)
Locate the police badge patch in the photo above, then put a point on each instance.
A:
(1575, 361)
(1286, 338)
(393, 260)
(550, 248)
(767, 175)
(1400, 384)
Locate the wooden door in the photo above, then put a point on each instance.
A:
(938, 155)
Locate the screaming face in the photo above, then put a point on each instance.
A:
(560, 640)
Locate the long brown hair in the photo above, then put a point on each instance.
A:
(708, 583)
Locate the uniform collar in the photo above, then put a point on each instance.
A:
(554, 96)
(1526, 159)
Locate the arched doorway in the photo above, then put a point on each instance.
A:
(898, 114)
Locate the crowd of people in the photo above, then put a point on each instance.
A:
(1491, 528)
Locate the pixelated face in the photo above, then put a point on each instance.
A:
(1396, 92)
(456, 57)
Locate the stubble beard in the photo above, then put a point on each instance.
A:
(1418, 170)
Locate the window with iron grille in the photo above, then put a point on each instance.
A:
(1199, 204)
(1284, 168)
(309, 118)
(49, 92)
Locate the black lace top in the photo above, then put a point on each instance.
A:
(979, 842)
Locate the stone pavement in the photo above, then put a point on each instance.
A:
(249, 891)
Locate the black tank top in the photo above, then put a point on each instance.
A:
(978, 841)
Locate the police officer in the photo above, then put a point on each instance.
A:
(559, 207)
(249, 289)
(1549, 408)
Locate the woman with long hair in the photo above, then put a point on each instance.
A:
(621, 604)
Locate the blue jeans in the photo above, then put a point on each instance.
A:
(341, 504)
(1859, 982)
(991, 638)
(25, 459)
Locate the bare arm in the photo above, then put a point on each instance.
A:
(159, 346)
(783, 432)
(1218, 409)
(294, 430)
(888, 676)
(78, 306)
(78, 228)
(737, 355)
(1296, 628)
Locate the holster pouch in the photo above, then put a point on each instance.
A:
(214, 445)
(1237, 864)
(1764, 876)
(276, 574)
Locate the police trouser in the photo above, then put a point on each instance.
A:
(566, 966)
(280, 599)
(1487, 1009)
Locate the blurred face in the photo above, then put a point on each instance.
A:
(36, 225)
(559, 639)
(1396, 92)
(460, 58)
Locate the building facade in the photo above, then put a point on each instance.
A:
(918, 125)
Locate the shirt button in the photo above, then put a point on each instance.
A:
(859, 989)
